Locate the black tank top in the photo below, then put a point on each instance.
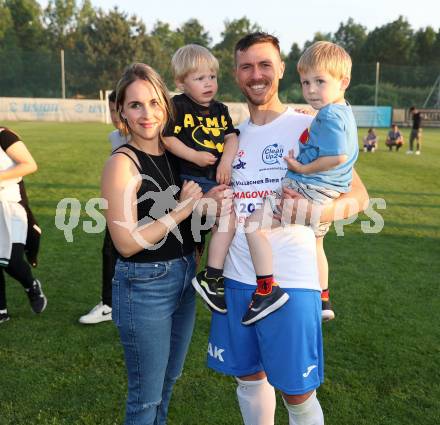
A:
(155, 199)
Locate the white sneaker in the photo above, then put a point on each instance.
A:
(365, 149)
(417, 152)
(409, 152)
(373, 150)
(99, 313)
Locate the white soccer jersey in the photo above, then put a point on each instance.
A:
(258, 170)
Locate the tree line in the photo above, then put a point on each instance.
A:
(98, 45)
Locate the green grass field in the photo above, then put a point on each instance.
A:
(382, 351)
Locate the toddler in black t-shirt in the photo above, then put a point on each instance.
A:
(203, 137)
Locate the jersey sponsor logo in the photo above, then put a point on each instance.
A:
(241, 153)
(309, 369)
(252, 195)
(216, 352)
(272, 154)
(305, 136)
(275, 181)
(240, 165)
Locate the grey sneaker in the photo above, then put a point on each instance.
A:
(37, 299)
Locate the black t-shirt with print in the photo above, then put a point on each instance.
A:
(7, 138)
(202, 128)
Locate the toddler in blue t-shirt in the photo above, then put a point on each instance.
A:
(320, 173)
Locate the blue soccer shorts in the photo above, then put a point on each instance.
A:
(286, 345)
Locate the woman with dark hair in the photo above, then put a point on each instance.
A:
(15, 162)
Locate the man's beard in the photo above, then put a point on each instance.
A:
(259, 99)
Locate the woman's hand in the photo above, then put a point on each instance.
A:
(190, 193)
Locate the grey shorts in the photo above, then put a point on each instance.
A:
(312, 193)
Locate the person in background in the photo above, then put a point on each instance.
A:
(116, 137)
(370, 141)
(15, 162)
(416, 131)
(102, 311)
(394, 138)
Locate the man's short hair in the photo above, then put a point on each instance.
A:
(255, 38)
(112, 96)
(326, 56)
(191, 57)
(413, 108)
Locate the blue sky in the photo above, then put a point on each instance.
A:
(291, 21)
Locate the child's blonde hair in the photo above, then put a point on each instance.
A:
(189, 58)
(326, 56)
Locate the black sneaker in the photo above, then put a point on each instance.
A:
(4, 316)
(262, 304)
(327, 312)
(212, 291)
(36, 297)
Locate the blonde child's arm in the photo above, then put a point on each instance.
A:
(224, 169)
(323, 163)
(178, 148)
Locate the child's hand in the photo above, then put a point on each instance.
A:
(203, 159)
(292, 163)
(223, 173)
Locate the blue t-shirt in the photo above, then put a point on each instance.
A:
(332, 132)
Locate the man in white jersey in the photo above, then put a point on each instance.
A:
(285, 349)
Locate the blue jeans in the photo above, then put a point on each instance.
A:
(154, 310)
(205, 184)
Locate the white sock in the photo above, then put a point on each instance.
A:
(307, 413)
(257, 402)
(4, 311)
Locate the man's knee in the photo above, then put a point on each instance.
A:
(297, 399)
(308, 411)
(254, 377)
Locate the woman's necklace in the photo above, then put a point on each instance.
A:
(165, 180)
(169, 183)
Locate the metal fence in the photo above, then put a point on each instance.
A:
(31, 74)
